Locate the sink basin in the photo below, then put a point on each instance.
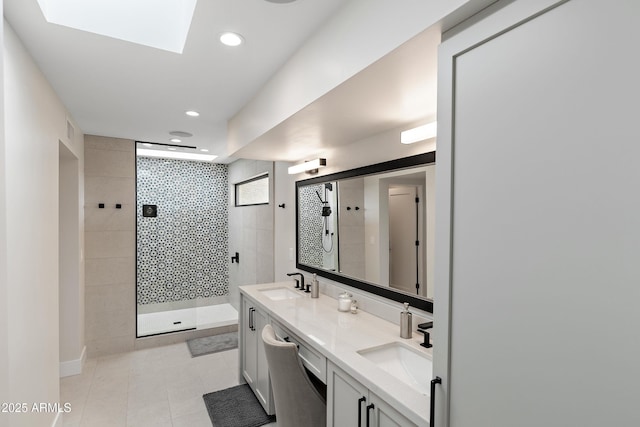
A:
(278, 294)
(403, 362)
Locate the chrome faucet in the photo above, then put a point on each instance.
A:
(299, 284)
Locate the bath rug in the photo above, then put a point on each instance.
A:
(236, 407)
(212, 344)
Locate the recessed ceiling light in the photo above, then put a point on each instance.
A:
(231, 39)
(204, 150)
(176, 140)
(192, 113)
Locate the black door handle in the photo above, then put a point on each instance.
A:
(369, 408)
(362, 399)
(436, 380)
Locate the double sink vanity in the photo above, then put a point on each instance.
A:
(368, 371)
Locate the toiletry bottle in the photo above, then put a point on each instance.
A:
(315, 287)
(354, 306)
(405, 322)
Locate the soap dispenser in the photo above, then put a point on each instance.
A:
(315, 286)
(405, 322)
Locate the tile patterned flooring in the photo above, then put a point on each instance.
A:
(159, 387)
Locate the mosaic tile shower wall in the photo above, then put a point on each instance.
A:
(182, 253)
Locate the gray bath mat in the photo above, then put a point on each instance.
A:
(236, 407)
(212, 344)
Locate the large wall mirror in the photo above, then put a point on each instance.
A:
(372, 228)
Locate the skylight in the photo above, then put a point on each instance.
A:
(159, 24)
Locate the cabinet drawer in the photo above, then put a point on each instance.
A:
(311, 359)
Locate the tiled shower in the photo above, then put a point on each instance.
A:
(182, 244)
(111, 295)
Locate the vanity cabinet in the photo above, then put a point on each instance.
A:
(349, 403)
(253, 360)
(314, 362)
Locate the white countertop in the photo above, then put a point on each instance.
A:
(338, 336)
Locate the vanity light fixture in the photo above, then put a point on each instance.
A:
(309, 167)
(231, 39)
(428, 131)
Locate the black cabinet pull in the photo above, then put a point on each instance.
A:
(253, 319)
(251, 310)
(362, 399)
(369, 408)
(436, 380)
(287, 339)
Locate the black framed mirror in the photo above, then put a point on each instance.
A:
(372, 228)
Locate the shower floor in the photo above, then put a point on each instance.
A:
(210, 316)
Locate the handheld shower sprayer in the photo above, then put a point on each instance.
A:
(326, 210)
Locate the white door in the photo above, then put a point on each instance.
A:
(539, 217)
(405, 257)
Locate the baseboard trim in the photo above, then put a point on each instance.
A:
(73, 367)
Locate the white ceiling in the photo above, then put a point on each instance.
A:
(120, 89)
(399, 90)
